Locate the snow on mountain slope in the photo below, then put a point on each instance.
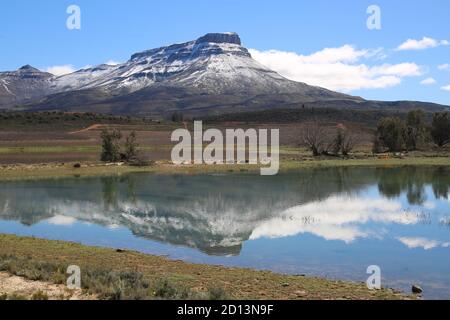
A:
(209, 68)
(215, 64)
(25, 84)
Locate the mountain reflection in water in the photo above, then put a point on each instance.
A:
(217, 214)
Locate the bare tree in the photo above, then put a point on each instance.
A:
(344, 142)
(316, 138)
(350, 142)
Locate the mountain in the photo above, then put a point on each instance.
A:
(211, 75)
(23, 85)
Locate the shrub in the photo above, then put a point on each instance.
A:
(165, 289)
(217, 294)
(40, 296)
(16, 297)
(110, 145)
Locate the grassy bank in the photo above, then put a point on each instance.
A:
(117, 274)
(24, 172)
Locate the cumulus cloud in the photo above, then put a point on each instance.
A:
(337, 218)
(337, 68)
(428, 81)
(446, 88)
(61, 70)
(426, 244)
(425, 43)
(444, 67)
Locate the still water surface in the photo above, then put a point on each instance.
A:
(325, 222)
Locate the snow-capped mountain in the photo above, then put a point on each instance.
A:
(212, 74)
(215, 67)
(25, 84)
(214, 64)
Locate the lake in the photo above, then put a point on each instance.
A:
(319, 222)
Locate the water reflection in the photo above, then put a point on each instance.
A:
(217, 214)
(339, 218)
(412, 181)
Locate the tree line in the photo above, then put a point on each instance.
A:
(393, 134)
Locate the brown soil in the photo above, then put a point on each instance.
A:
(17, 287)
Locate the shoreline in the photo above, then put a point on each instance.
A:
(238, 283)
(201, 280)
(16, 172)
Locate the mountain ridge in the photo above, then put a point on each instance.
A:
(210, 75)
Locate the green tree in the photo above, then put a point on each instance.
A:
(391, 134)
(131, 147)
(177, 117)
(110, 145)
(440, 129)
(416, 129)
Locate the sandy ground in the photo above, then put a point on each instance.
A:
(13, 285)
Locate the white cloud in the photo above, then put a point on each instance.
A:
(112, 63)
(424, 243)
(69, 68)
(444, 66)
(430, 205)
(61, 70)
(423, 44)
(446, 88)
(337, 218)
(337, 68)
(428, 81)
(61, 221)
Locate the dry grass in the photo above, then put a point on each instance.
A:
(172, 279)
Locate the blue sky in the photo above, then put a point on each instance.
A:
(34, 32)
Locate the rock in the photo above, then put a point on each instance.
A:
(417, 289)
(300, 293)
(228, 37)
(285, 284)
